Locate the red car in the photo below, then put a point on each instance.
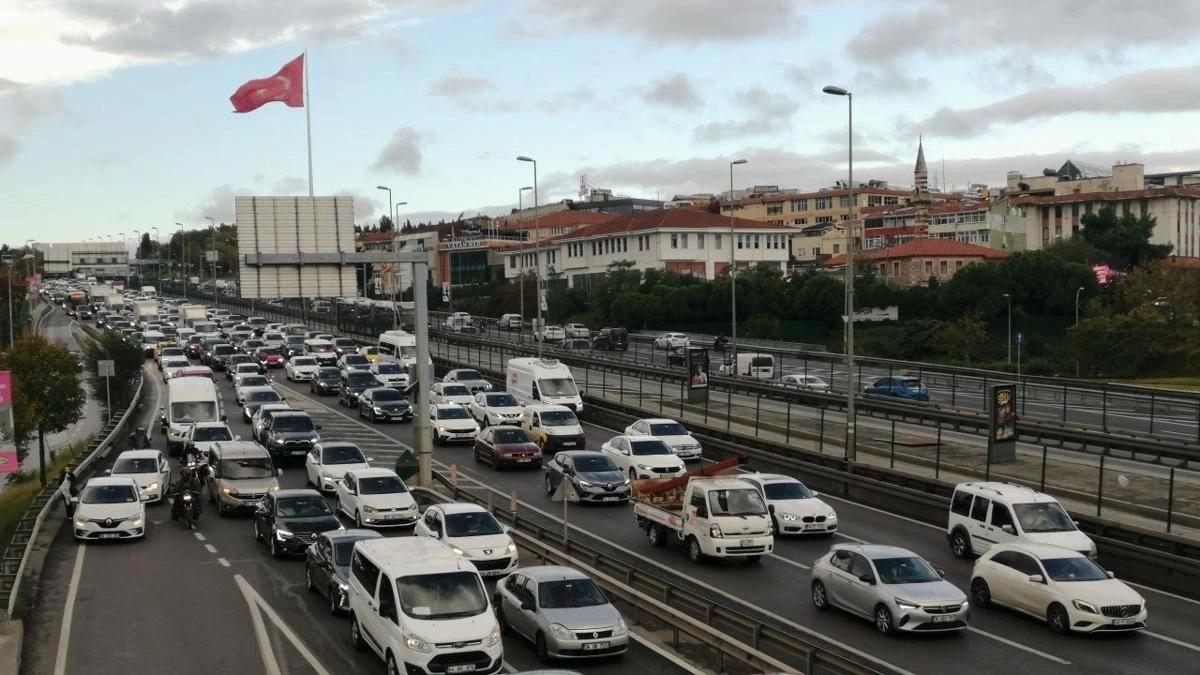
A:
(268, 357)
(507, 446)
(194, 350)
(196, 371)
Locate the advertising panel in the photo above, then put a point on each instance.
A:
(1002, 439)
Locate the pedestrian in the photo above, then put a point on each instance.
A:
(68, 490)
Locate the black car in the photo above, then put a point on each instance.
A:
(326, 380)
(344, 346)
(327, 566)
(289, 520)
(384, 404)
(232, 361)
(354, 382)
(214, 357)
(293, 346)
(611, 338)
(289, 435)
(593, 475)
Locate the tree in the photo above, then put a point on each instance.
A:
(146, 247)
(127, 360)
(1126, 238)
(385, 224)
(963, 337)
(1076, 249)
(47, 396)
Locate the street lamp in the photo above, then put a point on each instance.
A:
(184, 261)
(733, 273)
(1077, 292)
(157, 254)
(1009, 297)
(212, 228)
(537, 256)
(392, 249)
(521, 256)
(851, 422)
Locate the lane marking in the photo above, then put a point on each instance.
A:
(224, 562)
(789, 561)
(666, 654)
(199, 537)
(210, 548)
(1018, 645)
(64, 634)
(1166, 593)
(270, 664)
(253, 598)
(853, 539)
(1178, 643)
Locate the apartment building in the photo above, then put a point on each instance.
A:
(93, 258)
(915, 262)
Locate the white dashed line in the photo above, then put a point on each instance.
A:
(224, 562)
(1018, 645)
(199, 537)
(1179, 643)
(210, 548)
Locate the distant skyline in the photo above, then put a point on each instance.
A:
(115, 115)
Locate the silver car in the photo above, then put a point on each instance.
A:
(894, 587)
(561, 611)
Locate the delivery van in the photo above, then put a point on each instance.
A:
(533, 380)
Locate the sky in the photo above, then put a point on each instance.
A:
(115, 114)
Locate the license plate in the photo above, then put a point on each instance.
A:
(525, 459)
(299, 452)
(592, 646)
(944, 618)
(814, 526)
(109, 535)
(747, 542)
(1123, 622)
(464, 668)
(391, 516)
(569, 444)
(611, 499)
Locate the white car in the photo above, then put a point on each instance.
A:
(450, 392)
(204, 435)
(670, 432)
(470, 378)
(326, 463)
(376, 498)
(806, 382)
(274, 339)
(171, 366)
(472, 533)
(390, 373)
(577, 330)
(452, 422)
(794, 508)
(643, 457)
(671, 340)
(1062, 587)
(500, 407)
(244, 385)
(110, 507)
(301, 368)
(149, 468)
(550, 334)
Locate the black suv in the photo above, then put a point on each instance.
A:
(289, 520)
(611, 338)
(354, 382)
(214, 357)
(289, 434)
(326, 381)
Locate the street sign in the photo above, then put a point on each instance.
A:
(106, 368)
(210, 256)
(445, 291)
(544, 305)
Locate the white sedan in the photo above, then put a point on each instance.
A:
(376, 498)
(452, 422)
(171, 365)
(794, 508)
(496, 408)
(149, 468)
(550, 334)
(671, 340)
(390, 373)
(1062, 587)
(670, 432)
(806, 382)
(450, 392)
(577, 330)
(326, 463)
(643, 457)
(110, 507)
(301, 368)
(472, 533)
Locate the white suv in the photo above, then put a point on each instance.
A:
(983, 514)
(421, 608)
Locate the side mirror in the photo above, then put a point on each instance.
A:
(569, 470)
(318, 426)
(370, 459)
(1111, 574)
(527, 606)
(108, 472)
(74, 500)
(867, 579)
(1037, 579)
(145, 498)
(816, 494)
(436, 534)
(941, 572)
(224, 418)
(1008, 529)
(278, 472)
(237, 438)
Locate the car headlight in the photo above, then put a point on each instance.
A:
(644, 467)
(459, 551)
(378, 410)
(369, 509)
(283, 534)
(81, 522)
(512, 548)
(417, 644)
(620, 629)
(560, 631)
(136, 522)
(584, 483)
(1085, 606)
(187, 497)
(343, 587)
(714, 531)
(493, 638)
(151, 487)
(788, 517)
(905, 604)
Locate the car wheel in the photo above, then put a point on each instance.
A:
(981, 595)
(273, 545)
(504, 627)
(657, 535)
(539, 644)
(883, 620)
(549, 486)
(356, 639)
(335, 595)
(632, 475)
(1057, 619)
(391, 665)
(257, 534)
(695, 553)
(820, 599)
(358, 520)
(775, 526)
(308, 582)
(960, 545)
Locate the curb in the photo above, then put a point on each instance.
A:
(10, 648)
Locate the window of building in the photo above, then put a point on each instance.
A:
(512, 261)
(799, 205)
(928, 268)
(683, 240)
(773, 209)
(800, 252)
(756, 241)
(639, 243)
(674, 240)
(874, 200)
(700, 240)
(816, 250)
(958, 265)
(824, 203)
(896, 269)
(845, 216)
(844, 201)
(837, 248)
(944, 267)
(741, 240)
(891, 200)
(824, 219)
(800, 221)
(716, 241)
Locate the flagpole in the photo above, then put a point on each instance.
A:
(308, 123)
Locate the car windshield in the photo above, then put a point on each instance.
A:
(1073, 569)
(345, 342)
(381, 485)
(501, 400)
(511, 435)
(247, 468)
(356, 359)
(329, 374)
(382, 395)
(302, 507)
(253, 381)
(593, 464)
(558, 386)
(194, 411)
(293, 423)
(171, 351)
(1043, 517)
(208, 434)
(782, 491)
(668, 429)
(361, 378)
(273, 337)
(388, 368)
(108, 494)
(448, 595)
(468, 375)
(564, 593)
(472, 524)
(642, 448)
(176, 363)
(222, 350)
(263, 397)
(736, 502)
(320, 348)
(455, 390)
(342, 454)
(455, 413)
(906, 570)
(559, 418)
(268, 351)
(135, 465)
(303, 361)
(295, 340)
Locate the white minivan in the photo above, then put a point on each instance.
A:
(422, 608)
(983, 514)
(533, 380)
(189, 400)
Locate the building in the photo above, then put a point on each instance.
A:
(966, 219)
(685, 240)
(800, 209)
(602, 199)
(552, 224)
(1075, 177)
(107, 260)
(915, 262)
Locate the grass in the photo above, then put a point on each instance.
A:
(16, 497)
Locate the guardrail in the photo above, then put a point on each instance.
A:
(686, 611)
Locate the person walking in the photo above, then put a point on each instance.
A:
(68, 489)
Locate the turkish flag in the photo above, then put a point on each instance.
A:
(287, 86)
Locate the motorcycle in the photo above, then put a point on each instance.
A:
(186, 507)
(720, 344)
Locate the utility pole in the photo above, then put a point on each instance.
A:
(422, 433)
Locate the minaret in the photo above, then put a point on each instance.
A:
(920, 198)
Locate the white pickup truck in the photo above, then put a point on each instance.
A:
(720, 517)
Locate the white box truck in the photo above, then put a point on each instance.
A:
(532, 380)
(144, 311)
(749, 364)
(190, 314)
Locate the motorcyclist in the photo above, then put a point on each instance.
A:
(721, 342)
(139, 440)
(189, 481)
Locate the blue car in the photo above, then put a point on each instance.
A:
(909, 388)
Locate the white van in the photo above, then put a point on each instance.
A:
(419, 606)
(986, 513)
(532, 380)
(189, 400)
(757, 366)
(321, 350)
(400, 345)
(553, 427)
(148, 292)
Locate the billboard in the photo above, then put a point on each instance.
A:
(8, 446)
(1002, 414)
(300, 229)
(696, 362)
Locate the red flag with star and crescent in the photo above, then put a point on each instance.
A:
(286, 86)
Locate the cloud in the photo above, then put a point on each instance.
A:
(769, 113)
(658, 21)
(891, 80)
(571, 100)
(469, 92)
(402, 153)
(1162, 90)
(8, 149)
(674, 91)
(21, 107)
(290, 185)
(806, 76)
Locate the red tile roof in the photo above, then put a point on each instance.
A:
(830, 192)
(666, 219)
(1116, 196)
(559, 219)
(931, 247)
(375, 236)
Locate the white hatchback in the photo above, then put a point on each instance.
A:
(450, 392)
(473, 533)
(149, 468)
(110, 507)
(301, 368)
(376, 498)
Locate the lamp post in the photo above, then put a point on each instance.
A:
(392, 249)
(212, 227)
(157, 254)
(396, 233)
(1009, 298)
(521, 256)
(732, 274)
(1077, 292)
(537, 256)
(184, 266)
(851, 422)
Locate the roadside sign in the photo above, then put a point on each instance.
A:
(445, 291)
(210, 256)
(544, 305)
(106, 368)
